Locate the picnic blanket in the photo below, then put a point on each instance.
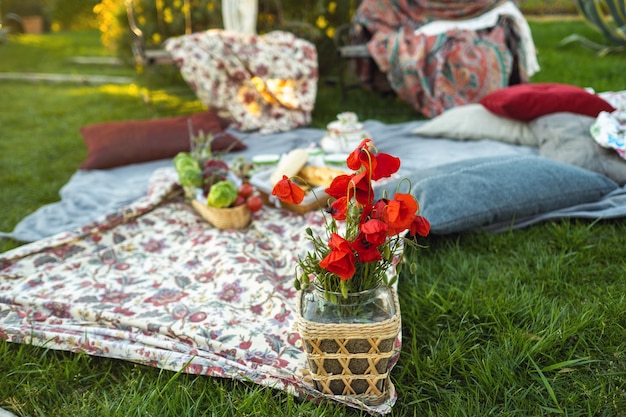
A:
(145, 279)
(155, 284)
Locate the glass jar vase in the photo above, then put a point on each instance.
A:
(370, 306)
(351, 342)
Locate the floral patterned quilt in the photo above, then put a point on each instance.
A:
(261, 82)
(157, 285)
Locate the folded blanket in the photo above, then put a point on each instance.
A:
(87, 197)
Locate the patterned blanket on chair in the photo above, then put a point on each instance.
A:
(435, 64)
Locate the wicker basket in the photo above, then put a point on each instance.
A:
(224, 218)
(351, 359)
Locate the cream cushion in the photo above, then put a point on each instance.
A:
(475, 122)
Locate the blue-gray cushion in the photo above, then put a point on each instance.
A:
(470, 194)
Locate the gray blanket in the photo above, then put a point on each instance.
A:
(90, 195)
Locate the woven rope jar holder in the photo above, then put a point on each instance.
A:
(350, 359)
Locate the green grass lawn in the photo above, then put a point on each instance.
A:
(524, 323)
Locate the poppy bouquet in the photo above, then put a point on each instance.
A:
(364, 236)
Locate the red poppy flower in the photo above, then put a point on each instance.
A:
(339, 186)
(375, 231)
(400, 212)
(340, 260)
(347, 185)
(288, 192)
(378, 209)
(366, 251)
(363, 188)
(419, 226)
(386, 165)
(379, 165)
(366, 210)
(339, 208)
(360, 156)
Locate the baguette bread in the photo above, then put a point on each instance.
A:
(289, 165)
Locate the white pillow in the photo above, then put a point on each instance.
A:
(475, 122)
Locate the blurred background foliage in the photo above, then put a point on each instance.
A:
(160, 19)
(167, 15)
(58, 14)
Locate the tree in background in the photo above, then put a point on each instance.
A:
(57, 14)
(72, 14)
(25, 7)
(161, 19)
(158, 20)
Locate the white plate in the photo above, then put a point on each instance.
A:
(265, 160)
(336, 160)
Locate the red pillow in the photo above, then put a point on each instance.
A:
(526, 102)
(112, 144)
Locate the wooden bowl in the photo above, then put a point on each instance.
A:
(224, 218)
